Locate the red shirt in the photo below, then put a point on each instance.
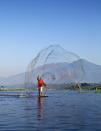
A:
(41, 83)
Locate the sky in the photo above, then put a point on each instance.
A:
(27, 26)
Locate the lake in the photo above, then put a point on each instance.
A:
(61, 111)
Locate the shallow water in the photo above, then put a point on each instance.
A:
(59, 112)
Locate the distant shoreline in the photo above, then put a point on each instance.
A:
(85, 88)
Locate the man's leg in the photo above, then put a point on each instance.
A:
(39, 91)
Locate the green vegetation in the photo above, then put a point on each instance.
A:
(14, 89)
(89, 87)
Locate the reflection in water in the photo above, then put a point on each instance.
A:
(40, 108)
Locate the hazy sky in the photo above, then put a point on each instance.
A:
(27, 26)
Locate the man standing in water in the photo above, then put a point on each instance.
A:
(40, 85)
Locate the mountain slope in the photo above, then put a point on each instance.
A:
(92, 72)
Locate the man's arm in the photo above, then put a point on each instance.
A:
(45, 84)
(38, 78)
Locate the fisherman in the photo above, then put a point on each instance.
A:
(40, 85)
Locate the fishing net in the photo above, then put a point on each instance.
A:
(57, 67)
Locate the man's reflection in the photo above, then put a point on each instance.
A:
(40, 108)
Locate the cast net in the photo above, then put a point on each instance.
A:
(57, 67)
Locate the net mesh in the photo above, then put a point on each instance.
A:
(56, 66)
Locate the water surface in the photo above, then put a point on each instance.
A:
(59, 112)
